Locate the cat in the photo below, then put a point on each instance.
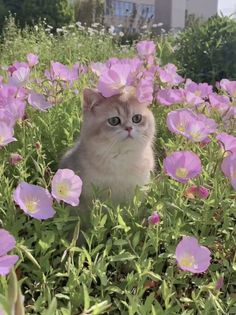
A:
(114, 151)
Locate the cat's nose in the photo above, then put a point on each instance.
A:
(128, 128)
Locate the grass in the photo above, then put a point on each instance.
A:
(127, 266)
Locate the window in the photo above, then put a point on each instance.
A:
(121, 8)
(147, 11)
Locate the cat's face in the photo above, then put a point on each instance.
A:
(117, 121)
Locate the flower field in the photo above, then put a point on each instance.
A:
(170, 252)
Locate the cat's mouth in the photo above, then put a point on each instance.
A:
(129, 136)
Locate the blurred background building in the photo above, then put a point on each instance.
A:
(129, 15)
(174, 14)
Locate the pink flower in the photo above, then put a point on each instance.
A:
(16, 109)
(98, 68)
(38, 101)
(154, 218)
(6, 117)
(227, 142)
(194, 191)
(34, 201)
(15, 158)
(194, 127)
(182, 166)
(191, 256)
(202, 90)
(144, 90)
(20, 77)
(146, 48)
(6, 134)
(32, 59)
(168, 74)
(193, 99)
(66, 186)
(228, 86)
(228, 167)
(219, 102)
(210, 123)
(58, 71)
(169, 97)
(6, 261)
(16, 65)
(114, 80)
(12, 101)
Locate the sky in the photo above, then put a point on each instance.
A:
(227, 7)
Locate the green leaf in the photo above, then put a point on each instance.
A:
(86, 298)
(52, 308)
(122, 257)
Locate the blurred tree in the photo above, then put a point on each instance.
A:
(89, 11)
(3, 13)
(56, 12)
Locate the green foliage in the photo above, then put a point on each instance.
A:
(3, 14)
(207, 52)
(89, 11)
(56, 12)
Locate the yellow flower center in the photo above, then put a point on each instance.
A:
(180, 127)
(187, 261)
(62, 189)
(181, 172)
(31, 205)
(197, 93)
(195, 135)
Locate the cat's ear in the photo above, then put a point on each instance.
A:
(91, 98)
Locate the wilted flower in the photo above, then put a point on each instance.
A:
(32, 59)
(194, 191)
(182, 166)
(34, 201)
(191, 256)
(228, 167)
(219, 283)
(66, 186)
(227, 142)
(38, 146)
(38, 101)
(6, 134)
(154, 218)
(146, 48)
(7, 243)
(15, 158)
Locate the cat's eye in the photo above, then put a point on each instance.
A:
(114, 121)
(136, 119)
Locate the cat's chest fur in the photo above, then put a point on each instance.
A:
(119, 171)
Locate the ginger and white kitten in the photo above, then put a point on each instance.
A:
(114, 151)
